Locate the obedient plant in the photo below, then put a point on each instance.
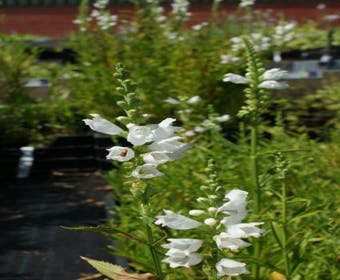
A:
(218, 223)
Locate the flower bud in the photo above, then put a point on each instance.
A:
(196, 212)
(210, 221)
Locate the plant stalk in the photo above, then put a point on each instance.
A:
(256, 192)
(154, 255)
(284, 228)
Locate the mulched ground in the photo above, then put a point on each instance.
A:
(32, 243)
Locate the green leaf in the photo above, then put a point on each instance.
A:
(278, 233)
(106, 230)
(109, 270)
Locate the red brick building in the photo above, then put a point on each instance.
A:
(53, 18)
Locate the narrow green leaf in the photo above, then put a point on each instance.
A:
(109, 270)
(278, 233)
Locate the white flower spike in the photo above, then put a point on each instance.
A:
(176, 221)
(120, 153)
(102, 125)
(227, 267)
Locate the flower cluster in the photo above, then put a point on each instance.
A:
(180, 9)
(163, 143)
(227, 228)
(269, 80)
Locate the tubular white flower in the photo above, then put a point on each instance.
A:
(245, 230)
(120, 153)
(194, 99)
(234, 218)
(227, 267)
(164, 130)
(274, 74)
(170, 145)
(271, 84)
(102, 125)
(234, 78)
(246, 3)
(223, 118)
(156, 157)
(182, 252)
(176, 221)
(172, 101)
(139, 135)
(237, 201)
(225, 240)
(146, 171)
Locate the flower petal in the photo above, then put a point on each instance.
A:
(230, 267)
(271, 84)
(102, 125)
(176, 221)
(120, 153)
(146, 171)
(234, 78)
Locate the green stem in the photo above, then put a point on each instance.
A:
(153, 252)
(284, 226)
(256, 193)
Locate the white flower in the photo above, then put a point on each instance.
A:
(245, 230)
(234, 78)
(231, 268)
(170, 145)
(176, 221)
(120, 153)
(146, 171)
(234, 218)
(156, 157)
(164, 130)
(273, 85)
(225, 240)
(236, 201)
(246, 3)
(172, 101)
(139, 135)
(194, 99)
(210, 222)
(182, 252)
(223, 118)
(102, 125)
(274, 74)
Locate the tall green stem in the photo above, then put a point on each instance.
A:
(284, 229)
(256, 193)
(154, 255)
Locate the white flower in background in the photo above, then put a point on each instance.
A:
(156, 158)
(182, 252)
(273, 85)
(234, 78)
(245, 230)
(199, 26)
(226, 59)
(284, 32)
(194, 99)
(102, 125)
(274, 74)
(227, 267)
(223, 118)
(246, 3)
(321, 6)
(180, 9)
(101, 4)
(172, 101)
(331, 17)
(227, 241)
(269, 77)
(146, 171)
(120, 153)
(139, 135)
(176, 221)
(260, 42)
(106, 20)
